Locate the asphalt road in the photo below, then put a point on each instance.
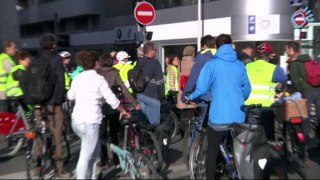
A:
(174, 167)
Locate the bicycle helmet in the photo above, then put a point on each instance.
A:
(121, 55)
(64, 54)
(264, 48)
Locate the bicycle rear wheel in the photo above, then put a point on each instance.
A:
(173, 123)
(145, 168)
(150, 147)
(197, 157)
(10, 146)
(295, 151)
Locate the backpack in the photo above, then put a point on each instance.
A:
(137, 79)
(38, 82)
(251, 150)
(313, 73)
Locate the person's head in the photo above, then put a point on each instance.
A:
(88, 59)
(48, 41)
(66, 57)
(24, 58)
(248, 49)
(149, 50)
(174, 60)
(167, 60)
(122, 56)
(223, 39)
(139, 52)
(207, 42)
(292, 48)
(189, 51)
(264, 51)
(9, 47)
(106, 60)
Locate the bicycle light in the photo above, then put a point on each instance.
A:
(30, 135)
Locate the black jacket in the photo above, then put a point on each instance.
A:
(58, 74)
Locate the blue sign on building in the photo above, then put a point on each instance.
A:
(251, 24)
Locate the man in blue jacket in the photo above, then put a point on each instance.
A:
(226, 78)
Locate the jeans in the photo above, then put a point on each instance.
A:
(90, 149)
(151, 108)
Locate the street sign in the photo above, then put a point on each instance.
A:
(144, 13)
(251, 24)
(302, 18)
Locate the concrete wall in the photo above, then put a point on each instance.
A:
(9, 22)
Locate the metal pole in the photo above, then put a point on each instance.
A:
(199, 26)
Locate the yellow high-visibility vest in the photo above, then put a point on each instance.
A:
(260, 75)
(3, 73)
(13, 88)
(123, 70)
(167, 85)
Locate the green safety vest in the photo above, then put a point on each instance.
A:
(167, 85)
(3, 73)
(123, 70)
(13, 86)
(260, 75)
(67, 80)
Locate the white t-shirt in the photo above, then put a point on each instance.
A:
(88, 89)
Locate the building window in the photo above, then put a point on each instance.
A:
(45, 1)
(81, 23)
(22, 4)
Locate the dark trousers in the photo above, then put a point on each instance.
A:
(4, 106)
(111, 120)
(214, 139)
(267, 121)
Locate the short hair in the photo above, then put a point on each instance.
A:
(6, 44)
(148, 46)
(247, 46)
(106, 60)
(189, 50)
(294, 45)
(22, 55)
(223, 39)
(87, 59)
(47, 41)
(208, 40)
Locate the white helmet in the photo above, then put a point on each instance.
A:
(64, 54)
(121, 55)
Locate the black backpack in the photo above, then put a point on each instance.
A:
(137, 79)
(38, 82)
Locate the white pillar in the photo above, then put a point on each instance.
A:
(199, 26)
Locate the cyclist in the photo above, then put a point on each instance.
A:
(8, 51)
(113, 78)
(87, 89)
(14, 90)
(228, 91)
(172, 75)
(65, 55)
(263, 77)
(124, 66)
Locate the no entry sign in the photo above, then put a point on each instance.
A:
(144, 13)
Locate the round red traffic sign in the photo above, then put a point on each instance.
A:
(144, 13)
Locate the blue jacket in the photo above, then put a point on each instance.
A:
(202, 58)
(227, 79)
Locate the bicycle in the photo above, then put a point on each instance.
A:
(196, 125)
(133, 160)
(12, 130)
(142, 138)
(40, 136)
(199, 147)
(170, 118)
(291, 116)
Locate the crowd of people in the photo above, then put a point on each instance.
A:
(218, 76)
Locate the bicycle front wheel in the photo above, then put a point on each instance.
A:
(197, 157)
